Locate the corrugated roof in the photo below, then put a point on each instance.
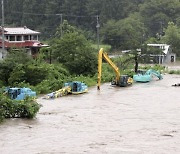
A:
(20, 30)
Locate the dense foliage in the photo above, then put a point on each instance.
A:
(124, 34)
(17, 109)
(172, 36)
(72, 56)
(121, 22)
(75, 53)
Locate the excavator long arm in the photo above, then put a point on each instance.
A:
(104, 55)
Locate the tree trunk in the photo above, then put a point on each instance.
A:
(136, 64)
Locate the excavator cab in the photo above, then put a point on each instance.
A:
(13, 92)
(124, 81)
(20, 93)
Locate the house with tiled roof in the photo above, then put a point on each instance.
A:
(20, 37)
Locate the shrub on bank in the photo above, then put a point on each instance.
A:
(155, 67)
(174, 72)
(2, 111)
(27, 108)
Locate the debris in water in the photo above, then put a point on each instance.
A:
(169, 135)
(175, 85)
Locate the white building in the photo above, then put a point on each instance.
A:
(167, 56)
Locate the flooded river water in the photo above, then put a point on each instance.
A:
(143, 118)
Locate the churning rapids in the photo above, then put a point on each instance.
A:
(143, 118)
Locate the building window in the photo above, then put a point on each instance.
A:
(18, 38)
(26, 37)
(35, 37)
(12, 38)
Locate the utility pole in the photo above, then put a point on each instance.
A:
(3, 48)
(97, 26)
(161, 27)
(61, 25)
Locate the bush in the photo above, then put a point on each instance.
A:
(13, 66)
(49, 85)
(76, 54)
(35, 74)
(55, 79)
(27, 108)
(174, 72)
(2, 112)
(108, 73)
(155, 67)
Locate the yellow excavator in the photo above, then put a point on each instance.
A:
(120, 80)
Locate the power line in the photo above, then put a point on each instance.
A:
(49, 14)
(28, 13)
(64, 15)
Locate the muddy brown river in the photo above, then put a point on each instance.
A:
(141, 119)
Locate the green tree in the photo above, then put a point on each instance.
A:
(157, 13)
(124, 34)
(64, 29)
(112, 10)
(74, 51)
(29, 8)
(172, 37)
(45, 15)
(13, 59)
(17, 75)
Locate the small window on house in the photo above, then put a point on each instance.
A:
(12, 38)
(35, 37)
(30, 37)
(19, 38)
(26, 37)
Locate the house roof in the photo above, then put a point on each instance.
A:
(19, 30)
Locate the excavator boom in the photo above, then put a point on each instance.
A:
(104, 55)
(120, 80)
